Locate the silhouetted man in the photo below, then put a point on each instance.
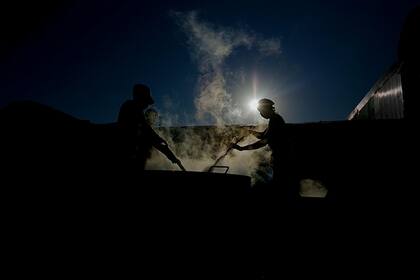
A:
(138, 136)
(276, 137)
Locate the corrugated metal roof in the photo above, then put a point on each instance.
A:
(385, 95)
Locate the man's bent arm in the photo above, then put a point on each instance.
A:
(254, 146)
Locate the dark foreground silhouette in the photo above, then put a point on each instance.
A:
(69, 198)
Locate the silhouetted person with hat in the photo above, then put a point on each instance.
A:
(138, 135)
(276, 137)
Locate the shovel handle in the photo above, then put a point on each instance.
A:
(181, 167)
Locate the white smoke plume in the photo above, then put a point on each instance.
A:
(199, 147)
(211, 45)
(270, 47)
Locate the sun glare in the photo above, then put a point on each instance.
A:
(253, 104)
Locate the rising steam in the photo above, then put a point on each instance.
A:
(210, 46)
(199, 147)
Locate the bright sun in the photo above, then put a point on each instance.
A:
(253, 104)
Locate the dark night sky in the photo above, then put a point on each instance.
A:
(84, 58)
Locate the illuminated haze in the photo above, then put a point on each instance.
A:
(210, 46)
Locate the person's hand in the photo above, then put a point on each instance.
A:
(255, 133)
(250, 131)
(175, 160)
(178, 162)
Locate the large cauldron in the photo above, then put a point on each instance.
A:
(194, 181)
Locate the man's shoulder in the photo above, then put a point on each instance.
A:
(127, 103)
(128, 112)
(277, 119)
(128, 106)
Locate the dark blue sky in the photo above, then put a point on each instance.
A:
(84, 58)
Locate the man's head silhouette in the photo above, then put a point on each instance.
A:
(141, 93)
(266, 108)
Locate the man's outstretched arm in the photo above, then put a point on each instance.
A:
(253, 146)
(163, 147)
(257, 134)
